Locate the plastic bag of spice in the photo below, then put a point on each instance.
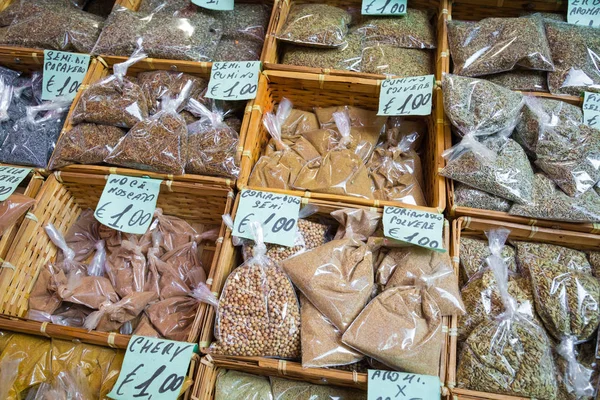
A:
(126, 268)
(480, 107)
(521, 80)
(258, 313)
(495, 45)
(412, 339)
(414, 30)
(349, 176)
(575, 369)
(157, 85)
(355, 223)
(12, 209)
(399, 62)
(575, 51)
(25, 360)
(7, 77)
(165, 134)
(318, 25)
(466, 196)
(497, 165)
(529, 252)
(234, 385)
(85, 144)
(212, 144)
(509, 354)
(287, 389)
(115, 100)
(473, 253)
(111, 316)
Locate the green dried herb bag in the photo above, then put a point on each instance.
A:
(529, 252)
(413, 30)
(521, 79)
(234, 385)
(473, 253)
(318, 25)
(286, 389)
(549, 202)
(466, 196)
(495, 45)
(386, 59)
(497, 165)
(480, 107)
(575, 51)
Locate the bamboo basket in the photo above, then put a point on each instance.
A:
(61, 200)
(274, 49)
(309, 90)
(474, 227)
(229, 259)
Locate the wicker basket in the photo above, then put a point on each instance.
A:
(62, 199)
(273, 52)
(309, 90)
(229, 259)
(473, 227)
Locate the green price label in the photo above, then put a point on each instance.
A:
(416, 227)
(406, 96)
(63, 74)
(584, 12)
(277, 214)
(127, 204)
(10, 177)
(153, 369)
(383, 7)
(221, 5)
(236, 80)
(591, 109)
(391, 385)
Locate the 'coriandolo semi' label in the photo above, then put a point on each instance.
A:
(584, 12)
(277, 214)
(153, 369)
(234, 80)
(406, 96)
(416, 227)
(383, 7)
(63, 74)
(391, 385)
(127, 203)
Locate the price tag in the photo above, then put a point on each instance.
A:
(391, 385)
(223, 5)
(591, 109)
(384, 7)
(277, 213)
(584, 12)
(63, 74)
(406, 96)
(236, 80)
(127, 203)
(153, 369)
(10, 177)
(416, 227)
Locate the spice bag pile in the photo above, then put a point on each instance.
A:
(325, 36)
(359, 303)
(342, 150)
(39, 368)
(102, 279)
(158, 121)
(234, 385)
(533, 310)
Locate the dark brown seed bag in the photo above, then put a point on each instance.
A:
(212, 149)
(156, 84)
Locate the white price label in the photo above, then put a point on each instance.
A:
(63, 74)
(391, 385)
(10, 178)
(591, 109)
(236, 80)
(584, 12)
(406, 96)
(416, 227)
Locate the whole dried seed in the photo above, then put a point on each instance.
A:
(521, 79)
(466, 196)
(473, 253)
(396, 61)
(316, 25)
(414, 30)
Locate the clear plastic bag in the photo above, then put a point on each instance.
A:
(85, 144)
(575, 51)
(212, 143)
(111, 316)
(509, 354)
(12, 209)
(356, 223)
(7, 77)
(173, 317)
(495, 45)
(158, 85)
(234, 385)
(258, 313)
(318, 25)
(479, 107)
(412, 340)
(244, 21)
(158, 143)
(473, 253)
(399, 62)
(549, 202)
(497, 165)
(126, 268)
(521, 80)
(413, 30)
(238, 50)
(530, 252)
(115, 100)
(162, 6)
(287, 389)
(174, 232)
(466, 196)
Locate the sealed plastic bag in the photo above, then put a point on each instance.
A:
(126, 268)
(174, 232)
(399, 62)
(466, 196)
(480, 107)
(66, 315)
(575, 51)
(12, 209)
(549, 202)
(115, 100)
(356, 223)
(30, 357)
(158, 143)
(495, 45)
(111, 316)
(413, 30)
(497, 165)
(318, 25)
(520, 79)
(287, 389)
(212, 144)
(530, 252)
(473, 253)
(85, 144)
(575, 369)
(173, 317)
(412, 339)
(269, 322)
(509, 354)
(157, 85)
(234, 385)
(7, 77)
